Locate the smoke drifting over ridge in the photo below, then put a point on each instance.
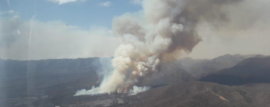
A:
(165, 30)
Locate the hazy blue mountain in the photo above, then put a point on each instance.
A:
(252, 70)
(62, 76)
(199, 68)
(49, 83)
(36, 78)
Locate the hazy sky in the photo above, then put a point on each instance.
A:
(82, 13)
(49, 29)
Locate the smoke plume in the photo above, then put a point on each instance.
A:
(136, 90)
(163, 31)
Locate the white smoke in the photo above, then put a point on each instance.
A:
(93, 91)
(136, 90)
(165, 30)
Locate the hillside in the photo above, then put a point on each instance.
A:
(169, 73)
(202, 94)
(62, 76)
(37, 78)
(252, 70)
(199, 68)
(49, 83)
(189, 94)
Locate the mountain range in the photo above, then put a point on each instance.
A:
(225, 81)
(252, 70)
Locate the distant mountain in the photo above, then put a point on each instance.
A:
(199, 68)
(252, 70)
(174, 73)
(61, 76)
(50, 83)
(188, 69)
(40, 77)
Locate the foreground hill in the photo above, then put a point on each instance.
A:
(189, 94)
(201, 94)
(252, 70)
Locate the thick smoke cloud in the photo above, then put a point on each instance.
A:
(164, 31)
(245, 31)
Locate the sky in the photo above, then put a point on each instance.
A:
(55, 29)
(60, 29)
(82, 13)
